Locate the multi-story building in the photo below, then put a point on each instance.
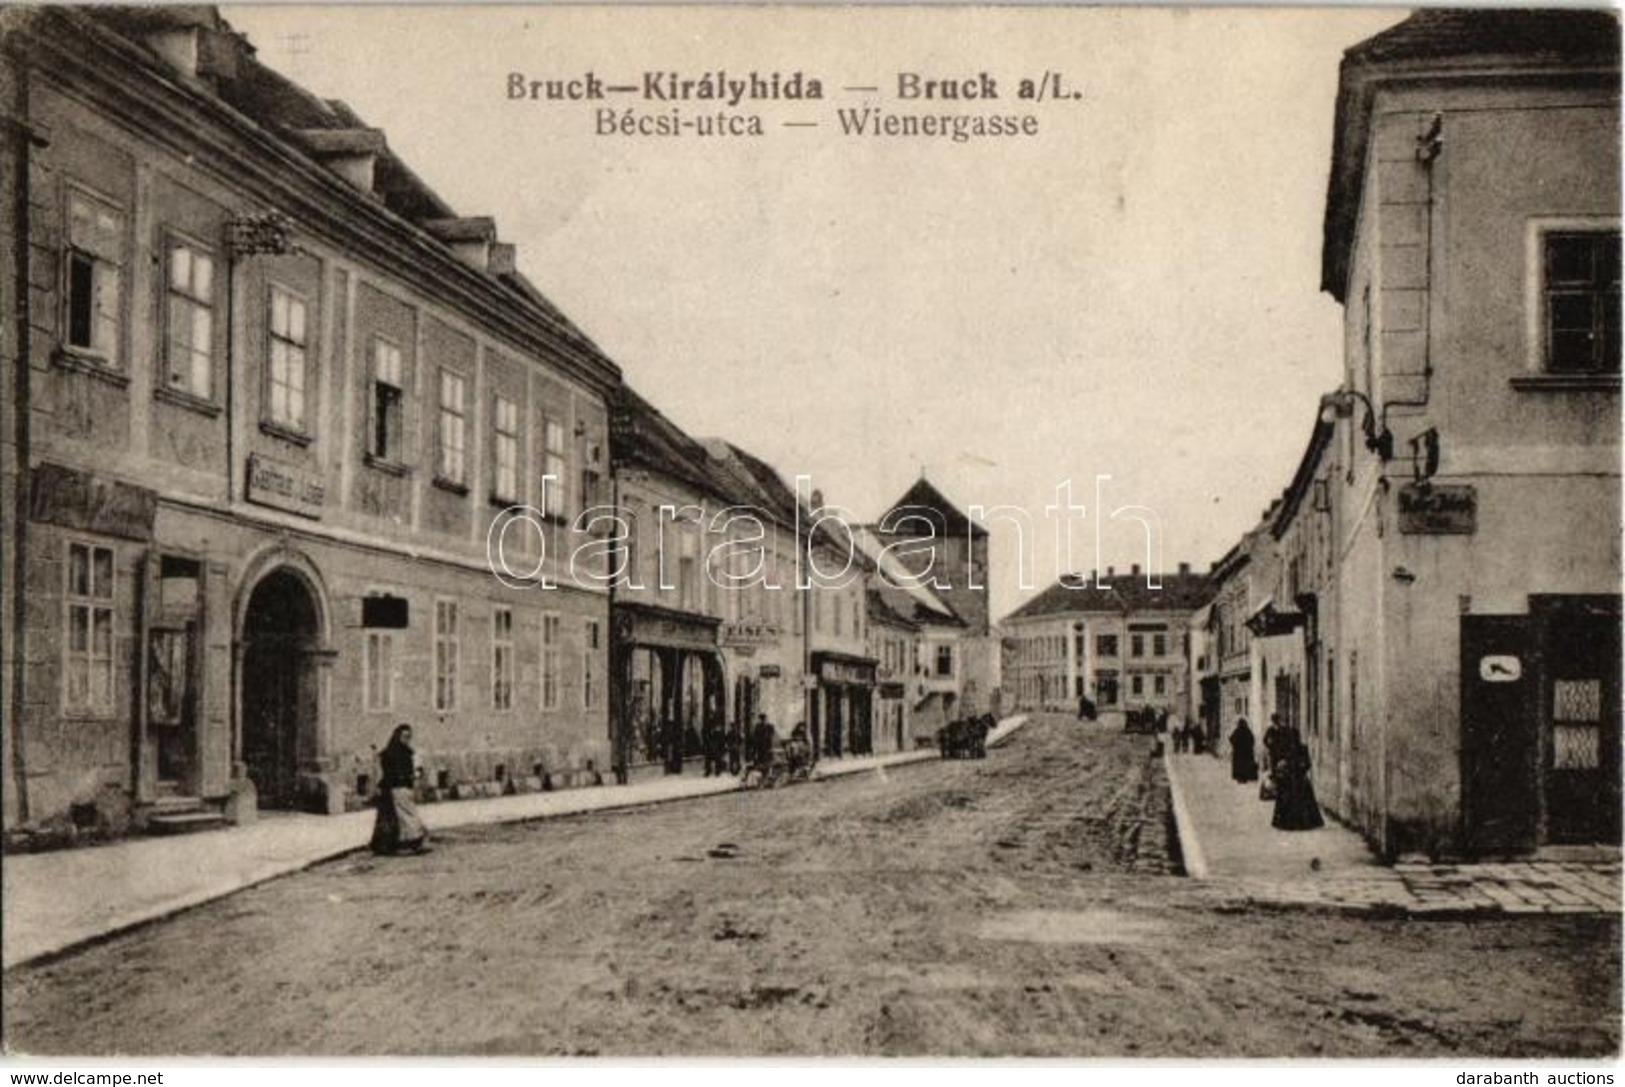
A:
(266, 397)
(1472, 236)
(1122, 641)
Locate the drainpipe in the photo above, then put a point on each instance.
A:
(24, 139)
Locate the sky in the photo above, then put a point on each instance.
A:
(1132, 292)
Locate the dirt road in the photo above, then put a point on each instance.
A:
(1022, 905)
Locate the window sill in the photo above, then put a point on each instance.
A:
(190, 402)
(96, 366)
(285, 432)
(451, 485)
(498, 502)
(1567, 383)
(386, 465)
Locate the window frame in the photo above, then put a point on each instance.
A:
(174, 241)
(294, 430)
(555, 497)
(504, 493)
(90, 705)
(550, 673)
(447, 654)
(1537, 372)
(589, 664)
(371, 676)
(108, 358)
(503, 659)
(444, 476)
(391, 453)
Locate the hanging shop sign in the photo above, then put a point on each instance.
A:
(1446, 510)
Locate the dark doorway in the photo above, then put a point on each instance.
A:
(1499, 744)
(1580, 718)
(279, 690)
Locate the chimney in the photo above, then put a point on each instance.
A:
(504, 259)
(470, 239)
(1110, 570)
(1134, 571)
(352, 153)
(1184, 569)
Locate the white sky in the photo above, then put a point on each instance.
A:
(1133, 293)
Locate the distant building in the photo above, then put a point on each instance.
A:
(1114, 640)
(1463, 679)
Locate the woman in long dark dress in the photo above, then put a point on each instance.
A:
(1295, 805)
(398, 828)
(1243, 752)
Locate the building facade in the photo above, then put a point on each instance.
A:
(267, 397)
(1472, 238)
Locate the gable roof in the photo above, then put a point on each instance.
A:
(1127, 593)
(924, 500)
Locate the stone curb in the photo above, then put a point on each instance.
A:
(1190, 846)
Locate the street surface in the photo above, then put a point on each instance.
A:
(1023, 905)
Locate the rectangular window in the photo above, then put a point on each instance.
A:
(89, 646)
(1159, 685)
(445, 655)
(95, 273)
(505, 450)
(189, 322)
(1136, 685)
(286, 385)
(592, 475)
(1159, 645)
(589, 666)
(1136, 646)
(553, 468)
(550, 662)
(1581, 278)
(452, 464)
(945, 660)
(388, 395)
(1106, 645)
(380, 665)
(502, 659)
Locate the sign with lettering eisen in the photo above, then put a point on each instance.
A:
(747, 635)
(285, 487)
(1450, 510)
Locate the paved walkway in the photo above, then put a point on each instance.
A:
(56, 901)
(1226, 837)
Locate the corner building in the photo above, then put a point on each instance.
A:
(269, 394)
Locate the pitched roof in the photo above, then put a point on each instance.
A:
(1445, 42)
(641, 435)
(924, 500)
(1127, 593)
(1292, 499)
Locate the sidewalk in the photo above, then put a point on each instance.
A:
(1226, 838)
(56, 901)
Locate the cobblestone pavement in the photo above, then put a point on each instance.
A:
(1027, 904)
(1247, 861)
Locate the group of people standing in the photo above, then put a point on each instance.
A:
(1285, 773)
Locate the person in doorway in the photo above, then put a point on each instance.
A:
(712, 742)
(1295, 804)
(398, 828)
(1243, 756)
(761, 741)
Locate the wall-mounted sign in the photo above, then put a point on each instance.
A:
(747, 635)
(1445, 510)
(285, 487)
(73, 499)
(768, 671)
(1500, 668)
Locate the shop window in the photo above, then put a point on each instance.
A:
(550, 662)
(189, 322)
(451, 466)
(502, 659)
(505, 450)
(1580, 279)
(88, 663)
(285, 384)
(446, 652)
(388, 397)
(95, 276)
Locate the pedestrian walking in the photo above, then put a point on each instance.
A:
(712, 743)
(1295, 804)
(1243, 757)
(398, 828)
(1276, 741)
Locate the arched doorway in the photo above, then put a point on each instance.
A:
(280, 685)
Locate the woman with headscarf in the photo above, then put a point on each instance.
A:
(398, 829)
(1243, 753)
